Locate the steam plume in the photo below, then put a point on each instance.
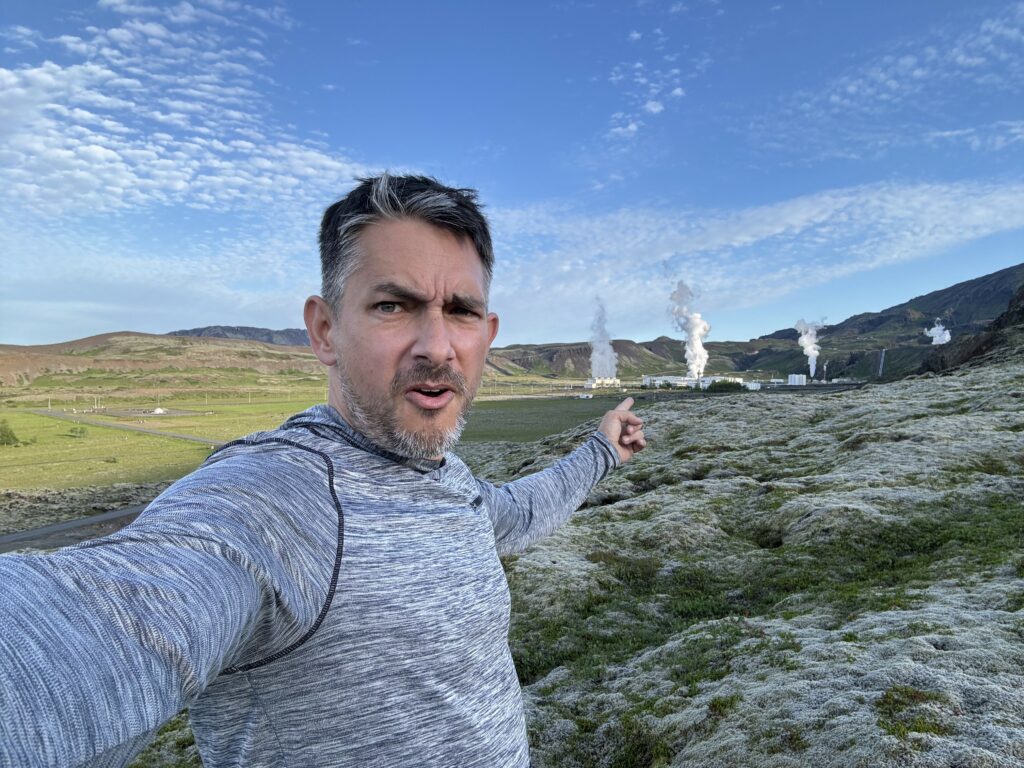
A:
(694, 326)
(809, 342)
(939, 334)
(603, 360)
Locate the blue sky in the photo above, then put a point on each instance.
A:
(165, 165)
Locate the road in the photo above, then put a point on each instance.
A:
(71, 531)
(79, 419)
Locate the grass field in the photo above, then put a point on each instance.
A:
(55, 453)
(61, 454)
(531, 419)
(221, 422)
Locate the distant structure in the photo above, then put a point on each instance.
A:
(668, 381)
(602, 383)
(881, 364)
(686, 381)
(798, 379)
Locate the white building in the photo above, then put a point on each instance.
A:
(798, 379)
(601, 383)
(671, 381)
(752, 386)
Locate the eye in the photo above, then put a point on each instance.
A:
(464, 312)
(387, 307)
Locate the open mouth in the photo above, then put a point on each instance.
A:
(429, 396)
(431, 392)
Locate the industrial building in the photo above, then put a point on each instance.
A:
(601, 383)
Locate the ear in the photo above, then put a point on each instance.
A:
(319, 322)
(492, 327)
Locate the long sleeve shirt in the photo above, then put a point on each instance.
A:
(312, 599)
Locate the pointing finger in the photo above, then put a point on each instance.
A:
(625, 405)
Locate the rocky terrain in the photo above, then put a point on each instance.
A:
(781, 580)
(788, 580)
(22, 510)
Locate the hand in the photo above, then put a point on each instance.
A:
(624, 429)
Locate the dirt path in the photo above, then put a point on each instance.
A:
(70, 531)
(130, 427)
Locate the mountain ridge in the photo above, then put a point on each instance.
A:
(852, 348)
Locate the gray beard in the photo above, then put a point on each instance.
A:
(375, 417)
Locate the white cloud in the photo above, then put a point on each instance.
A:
(20, 37)
(133, 123)
(897, 97)
(623, 126)
(654, 107)
(985, 138)
(163, 115)
(634, 36)
(741, 258)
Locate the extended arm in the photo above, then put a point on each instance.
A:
(101, 646)
(102, 643)
(529, 509)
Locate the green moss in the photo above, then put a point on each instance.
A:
(785, 738)
(640, 574)
(1015, 602)
(634, 744)
(720, 706)
(172, 747)
(638, 603)
(899, 713)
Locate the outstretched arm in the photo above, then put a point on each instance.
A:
(99, 647)
(533, 507)
(102, 643)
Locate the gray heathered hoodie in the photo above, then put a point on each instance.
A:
(312, 599)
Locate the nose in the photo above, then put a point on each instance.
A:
(433, 339)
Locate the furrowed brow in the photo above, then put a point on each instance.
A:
(400, 292)
(468, 302)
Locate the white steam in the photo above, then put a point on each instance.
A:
(694, 326)
(603, 360)
(939, 334)
(809, 342)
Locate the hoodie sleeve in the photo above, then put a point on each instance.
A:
(533, 507)
(102, 643)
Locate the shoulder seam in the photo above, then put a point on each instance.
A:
(332, 587)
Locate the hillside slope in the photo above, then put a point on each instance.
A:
(127, 359)
(852, 348)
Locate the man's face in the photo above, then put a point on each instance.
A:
(411, 337)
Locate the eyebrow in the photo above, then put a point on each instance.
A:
(404, 293)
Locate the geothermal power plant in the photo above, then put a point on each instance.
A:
(687, 320)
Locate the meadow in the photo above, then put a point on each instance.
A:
(57, 453)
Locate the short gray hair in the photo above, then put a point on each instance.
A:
(387, 197)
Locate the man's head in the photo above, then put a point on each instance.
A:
(403, 321)
(387, 198)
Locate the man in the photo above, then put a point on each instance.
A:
(328, 593)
